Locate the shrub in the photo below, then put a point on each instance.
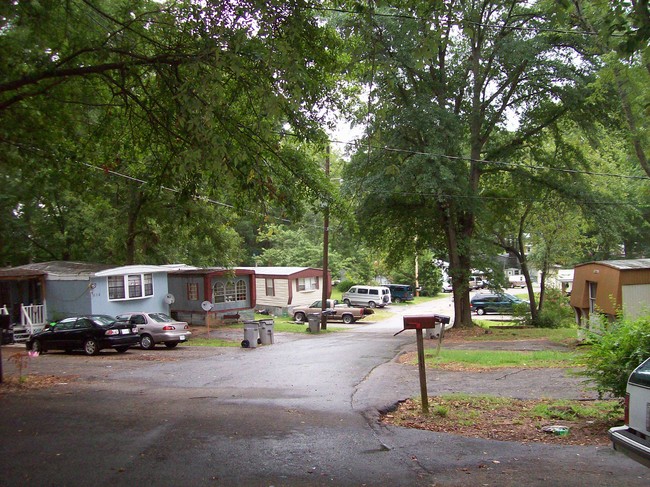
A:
(556, 312)
(616, 352)
(344, 285)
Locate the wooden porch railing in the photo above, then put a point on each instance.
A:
(32, 320)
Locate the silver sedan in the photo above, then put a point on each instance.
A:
(157, 328)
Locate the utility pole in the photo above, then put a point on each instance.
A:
(326, 224)
(417, 269)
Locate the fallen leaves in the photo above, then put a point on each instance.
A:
(506, 422)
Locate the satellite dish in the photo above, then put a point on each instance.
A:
(206, 305)
(169, 298)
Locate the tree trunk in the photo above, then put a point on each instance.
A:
(137, 200)
(542, 290)
(459, 271)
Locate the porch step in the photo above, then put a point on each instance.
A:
(21, 334)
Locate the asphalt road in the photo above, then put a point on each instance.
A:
(300, 412)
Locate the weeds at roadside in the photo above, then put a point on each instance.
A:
(508, 419)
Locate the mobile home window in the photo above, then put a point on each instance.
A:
(241, 290)
(219, 293)
(307, 283)
(270, 287)
(116, 287)
(592, 296)
(230, 291)
(131, 286)
(192, 291)
(135, 286)
(148, 284)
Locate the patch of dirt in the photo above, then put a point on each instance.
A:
(142, 357)
(508, 422)
(460, 334)
(33, 382)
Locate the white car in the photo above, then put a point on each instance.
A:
(157, 328)
(633, 439)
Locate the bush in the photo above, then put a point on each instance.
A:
(616, 352)
(344, 285)
(556, 312)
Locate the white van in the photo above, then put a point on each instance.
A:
(371, 296)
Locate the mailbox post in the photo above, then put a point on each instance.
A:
(419, 323)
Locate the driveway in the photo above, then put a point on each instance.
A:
(299, 412)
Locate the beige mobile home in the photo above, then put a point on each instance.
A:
(279, 289)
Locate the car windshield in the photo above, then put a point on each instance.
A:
(160, 317)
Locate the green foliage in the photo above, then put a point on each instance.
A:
(430, 278)
(615, 353)
(566, 410)
(556, 312)
(137, 131)
(345, 284)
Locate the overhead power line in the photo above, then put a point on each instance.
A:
(460, 23)
(499, 163)
(177, 191)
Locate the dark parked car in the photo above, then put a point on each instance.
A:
(495, 303)
(633, 438)
(157, 328)
(400, 292)
(88, 333)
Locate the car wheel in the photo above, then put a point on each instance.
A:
(346, 302)
(91, 347)
(348, 319)
(398, 300)
(480, 311)
(37, 347)
(300, 317)
(121, 349)
(171, 344)
(372, 304)
(146, 342)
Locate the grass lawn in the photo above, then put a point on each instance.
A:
(504, 332)
(493, 359)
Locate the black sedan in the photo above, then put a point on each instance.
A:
(88, 333)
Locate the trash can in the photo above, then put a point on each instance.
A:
(314, 322)
(266, 332)
(434, 332)
(251, 335)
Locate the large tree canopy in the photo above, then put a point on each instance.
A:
(458, 90)
(195, 97)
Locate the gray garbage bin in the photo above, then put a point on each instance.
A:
(434, 332)
(251, 335)
(314, 322)
(266, 332)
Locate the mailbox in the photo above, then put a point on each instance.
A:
(419, 322)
